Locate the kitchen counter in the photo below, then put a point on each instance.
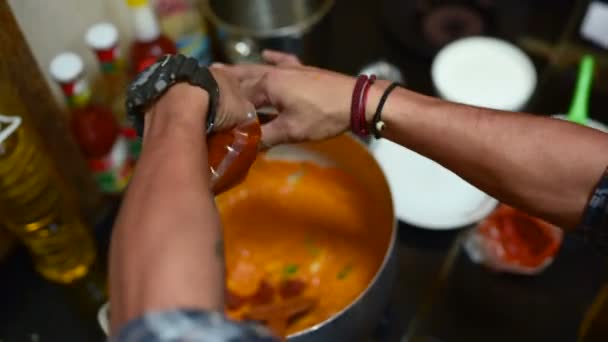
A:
(439, 291)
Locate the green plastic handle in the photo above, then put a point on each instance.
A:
(580, 103)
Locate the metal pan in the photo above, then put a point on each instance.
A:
(244, 28)
(357, 320)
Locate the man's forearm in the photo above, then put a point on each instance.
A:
(166, 247)
(545, 166)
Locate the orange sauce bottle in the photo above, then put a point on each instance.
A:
(231, 153)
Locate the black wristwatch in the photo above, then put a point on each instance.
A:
(168, 70)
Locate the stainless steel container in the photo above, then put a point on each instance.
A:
(245, 28)
(356, 321)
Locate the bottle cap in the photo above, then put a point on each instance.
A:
(102, 36)
(137, 3)
(66, 67)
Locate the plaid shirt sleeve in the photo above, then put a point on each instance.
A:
(191, 326)
(594, 225)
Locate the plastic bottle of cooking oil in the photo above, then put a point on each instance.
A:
(34, 207)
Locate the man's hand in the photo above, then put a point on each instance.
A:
(502, 153)
(313, 104)
(186, 105)
(167, 244)
(233, 106)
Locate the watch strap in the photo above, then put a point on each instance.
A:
(159, 77)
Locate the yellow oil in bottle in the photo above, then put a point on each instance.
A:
(33, 206)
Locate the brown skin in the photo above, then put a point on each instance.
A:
(166, 250)
(166, 247)
(544, 166)
(534, 163)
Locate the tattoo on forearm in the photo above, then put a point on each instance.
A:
(219, 249)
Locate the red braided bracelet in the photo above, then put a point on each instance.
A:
(354, 108)
(362, 109)
(359, 101)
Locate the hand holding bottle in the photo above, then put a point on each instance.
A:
(313, 104)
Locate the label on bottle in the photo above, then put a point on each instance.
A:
(77, 93)
(133, 141)
(114, 171)
(181, 21)
(110, 60)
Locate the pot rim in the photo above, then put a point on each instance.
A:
(290, 30)
(387, 256)
(335, 316)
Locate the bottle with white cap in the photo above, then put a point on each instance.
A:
(110, 88)
(150, 43)
(94, 127)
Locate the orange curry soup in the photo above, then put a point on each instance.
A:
(299, 244)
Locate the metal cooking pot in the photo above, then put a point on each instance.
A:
(356, 321)
(246, 27)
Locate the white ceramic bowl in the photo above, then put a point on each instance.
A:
(485, 72)
(479, 71)
(427, 195)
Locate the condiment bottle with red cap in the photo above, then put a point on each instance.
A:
(150, 43)
(93, 126)
(111, 87)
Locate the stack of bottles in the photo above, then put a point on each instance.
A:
(97, 116)
(94, 126)
(34, 202)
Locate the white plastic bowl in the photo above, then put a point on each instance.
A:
(485, 72)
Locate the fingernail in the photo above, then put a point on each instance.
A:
(218, 65)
